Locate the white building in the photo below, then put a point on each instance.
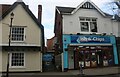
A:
(26, 41)
(82, 29)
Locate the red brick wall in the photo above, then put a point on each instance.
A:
(58, 28)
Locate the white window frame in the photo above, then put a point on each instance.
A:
(89, 31)
(24, 34)
(10, 60)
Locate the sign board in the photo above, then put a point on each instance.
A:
(90, 39)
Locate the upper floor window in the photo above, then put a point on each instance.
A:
(18, 34)
(88, 24)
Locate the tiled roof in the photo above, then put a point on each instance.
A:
(108, 14)
(70, 9)
(85, 5)
(4, 8)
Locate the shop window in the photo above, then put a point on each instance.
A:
(107, 56)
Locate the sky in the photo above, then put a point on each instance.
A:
(48, 10)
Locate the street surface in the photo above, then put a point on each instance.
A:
(116, 75)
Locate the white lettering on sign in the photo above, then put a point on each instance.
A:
(87, 39)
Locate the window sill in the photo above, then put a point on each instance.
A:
(17, 41)
(17, 67)
(89, 32)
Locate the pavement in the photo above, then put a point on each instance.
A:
(98, 71)
(105, 71)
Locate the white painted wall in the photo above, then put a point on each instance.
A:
(21, 18)
(32, 61)
(71, 23)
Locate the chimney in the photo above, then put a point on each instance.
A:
(39, 13)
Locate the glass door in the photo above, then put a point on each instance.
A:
(87, 58)
(93, 57)
(81, 58)
(99, 58)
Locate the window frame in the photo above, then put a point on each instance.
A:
(89, 20)
(24, 37)
(10, 60)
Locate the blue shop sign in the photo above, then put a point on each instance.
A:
(90, 39)
(47, 57)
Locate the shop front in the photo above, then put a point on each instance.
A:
(93, 56)
(89, 50)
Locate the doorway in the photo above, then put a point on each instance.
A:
(99, 58)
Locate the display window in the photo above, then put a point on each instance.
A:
(107, 56)
(95, 56)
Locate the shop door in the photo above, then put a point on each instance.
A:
(87, 58)
(71, 59)
(93, 59)
(99, 58)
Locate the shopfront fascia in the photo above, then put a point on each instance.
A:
(95, 48)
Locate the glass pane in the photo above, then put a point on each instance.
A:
(82, 19)
(93, 26)
(87, 19)
(93, 19)
(84, 26)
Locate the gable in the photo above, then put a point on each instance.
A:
(26, 9)
(23, 17)
(88, 5)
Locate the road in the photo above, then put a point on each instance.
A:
(118, 75)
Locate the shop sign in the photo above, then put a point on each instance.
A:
(47, 57)
(90, 39)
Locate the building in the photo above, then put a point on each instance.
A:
(21, 47)
(117, 17)
(85, 35)
(50, 44)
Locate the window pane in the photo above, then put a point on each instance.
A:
(87, 19)
(93, 26)
(84, 26)
(93, 19)
(82, 19)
